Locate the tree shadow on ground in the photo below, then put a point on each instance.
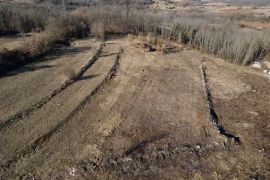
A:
(28, 69)
(88, 77)
(53, 55)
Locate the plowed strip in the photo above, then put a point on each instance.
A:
(26, 112)
(44, 122)
(26, 88)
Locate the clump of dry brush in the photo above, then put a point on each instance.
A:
(225, 41)
(22, 18)
(59, 26)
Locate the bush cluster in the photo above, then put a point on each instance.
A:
(22, 19)
(59, 26)
(225, 42)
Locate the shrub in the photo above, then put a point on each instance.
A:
(32, 49)
(97, 30)
(67, 25)
(225, 42)
(207, 34)
(40, 44)
(15, 20)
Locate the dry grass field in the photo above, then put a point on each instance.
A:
(175, 90)
(15, 41)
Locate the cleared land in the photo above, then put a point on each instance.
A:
(14, 42)
(133, 114)
(33, 83)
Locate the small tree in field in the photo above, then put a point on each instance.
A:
(97, 30)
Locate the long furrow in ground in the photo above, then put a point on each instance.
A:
(154, 105)
(26, 112)
(30, 87)
(212, 113)
(24, 137)
(92, 122)
(167, 127)
(150, 121)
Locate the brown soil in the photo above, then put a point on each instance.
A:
(255, 25)
(24, 87)
(15, 41)
(143, 115)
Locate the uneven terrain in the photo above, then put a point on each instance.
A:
(111, 110)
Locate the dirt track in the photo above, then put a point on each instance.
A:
(134, 114)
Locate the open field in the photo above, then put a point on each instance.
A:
(14, 42)
(176, 90)
(136, 114)
(62, 64)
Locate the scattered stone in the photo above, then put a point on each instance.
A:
(267, 64)
(266, 71)
(257, 65)
(127, 159)
(253, 113)
(243, 125)
(197, 176)
(216, 143)
(254, 90)
(261, 150)
(72, 172)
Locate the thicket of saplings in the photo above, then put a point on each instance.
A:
(24, 18)
(225, 41)
(60, 26)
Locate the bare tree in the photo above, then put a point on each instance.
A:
(129, 4)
